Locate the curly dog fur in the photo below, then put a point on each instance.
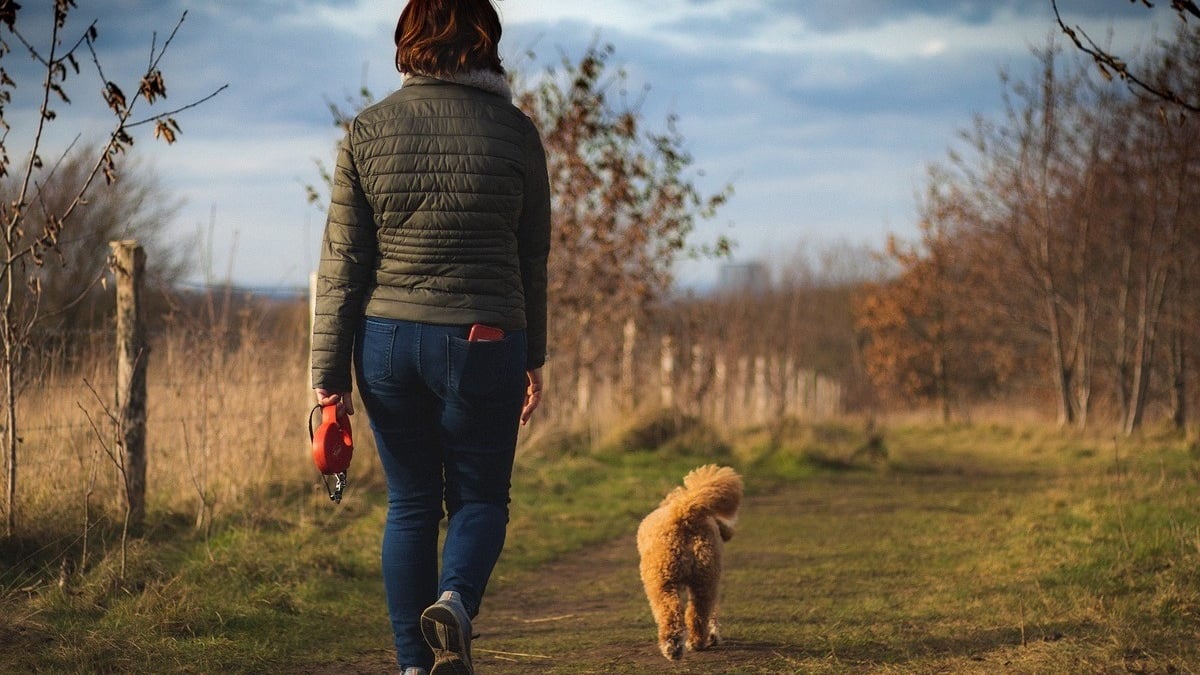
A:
(680, 544)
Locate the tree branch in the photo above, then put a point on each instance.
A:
(1188, 6)
(1107, 62)
(155, 59)
(169, 113)
(19, 203)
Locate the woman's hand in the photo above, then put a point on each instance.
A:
(331, 398)
(533, 394)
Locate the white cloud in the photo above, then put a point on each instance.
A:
(635, 17)
(934, 47)
(363, 18)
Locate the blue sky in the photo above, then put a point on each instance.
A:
(823, 115)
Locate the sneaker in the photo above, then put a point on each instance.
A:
(447, 629)
(413, 670)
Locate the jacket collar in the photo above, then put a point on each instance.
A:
(489, 81)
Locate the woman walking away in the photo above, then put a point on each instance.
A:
(432, 283)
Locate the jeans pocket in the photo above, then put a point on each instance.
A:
(377, 341)
(477, 371)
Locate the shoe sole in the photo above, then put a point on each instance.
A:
(444, 634)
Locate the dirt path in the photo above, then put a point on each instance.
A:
(808, 567)
(587, 613)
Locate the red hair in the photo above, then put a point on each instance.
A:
(445, 37)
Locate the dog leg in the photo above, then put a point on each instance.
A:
(714, 630)
(701, 618)
(667, 605)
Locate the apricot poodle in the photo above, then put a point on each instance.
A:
(680, 544)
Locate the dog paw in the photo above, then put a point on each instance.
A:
(672, 648)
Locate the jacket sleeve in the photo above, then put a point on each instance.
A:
(348, 253)
(533, 246)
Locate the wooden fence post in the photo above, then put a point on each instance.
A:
(583, 390)
(129, 261)
(700, 383)
(761, 394)
(721, 389)
(742, 396)
(666, 357)
(584, 370)
(629, 385)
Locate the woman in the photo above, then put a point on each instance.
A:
(432, 282)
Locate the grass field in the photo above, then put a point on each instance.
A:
(973, 549)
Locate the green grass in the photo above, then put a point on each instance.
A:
(945, 549)
(250, 597)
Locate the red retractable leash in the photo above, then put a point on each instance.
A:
(332, 447)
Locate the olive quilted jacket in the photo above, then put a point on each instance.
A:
(439, 213)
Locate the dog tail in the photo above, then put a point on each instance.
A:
(710, 491)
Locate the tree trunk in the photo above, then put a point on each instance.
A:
(10, 426)
(1121, 340)
(941, 377)
(1149, 317)
(11, 350)
(1179, 363)
(1062, 370)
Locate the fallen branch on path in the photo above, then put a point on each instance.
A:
(500, 654)
(549, 618)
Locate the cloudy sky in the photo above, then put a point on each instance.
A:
(822, 114)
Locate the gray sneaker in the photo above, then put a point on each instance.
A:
(447, 628)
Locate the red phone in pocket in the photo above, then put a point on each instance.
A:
(483, 333)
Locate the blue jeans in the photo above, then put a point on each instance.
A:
(445, 414)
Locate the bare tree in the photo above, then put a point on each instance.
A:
(625, 207)
(140, 207)
(31, 228)
(1153, 239)
(1029, 184)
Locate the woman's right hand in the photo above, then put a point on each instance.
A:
(325, 397)
(533, 394)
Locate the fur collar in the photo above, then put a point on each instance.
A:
(487, 80)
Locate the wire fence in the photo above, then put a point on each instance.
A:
(226, 415)
(227, 404)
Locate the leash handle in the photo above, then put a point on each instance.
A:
(330, 414)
